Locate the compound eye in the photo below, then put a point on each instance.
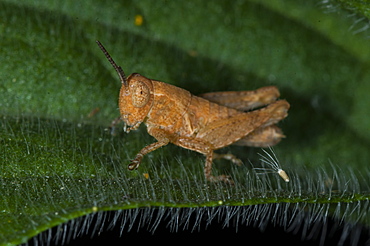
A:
(140, 94)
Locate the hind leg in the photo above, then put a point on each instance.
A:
(262, 137)
(244, 100)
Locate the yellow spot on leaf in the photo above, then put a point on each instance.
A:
(139, 20)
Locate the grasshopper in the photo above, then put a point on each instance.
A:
(200, 123)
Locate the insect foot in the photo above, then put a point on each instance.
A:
(134, 164)
(202, 123)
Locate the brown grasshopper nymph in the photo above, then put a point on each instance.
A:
(200, 123)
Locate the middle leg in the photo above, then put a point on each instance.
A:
(229, 157)
(207, 150)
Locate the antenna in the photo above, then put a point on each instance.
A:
(119, 70)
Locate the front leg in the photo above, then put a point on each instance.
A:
(163, 139)
(134, 164)
(113, 126)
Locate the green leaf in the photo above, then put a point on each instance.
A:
(58, 95)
